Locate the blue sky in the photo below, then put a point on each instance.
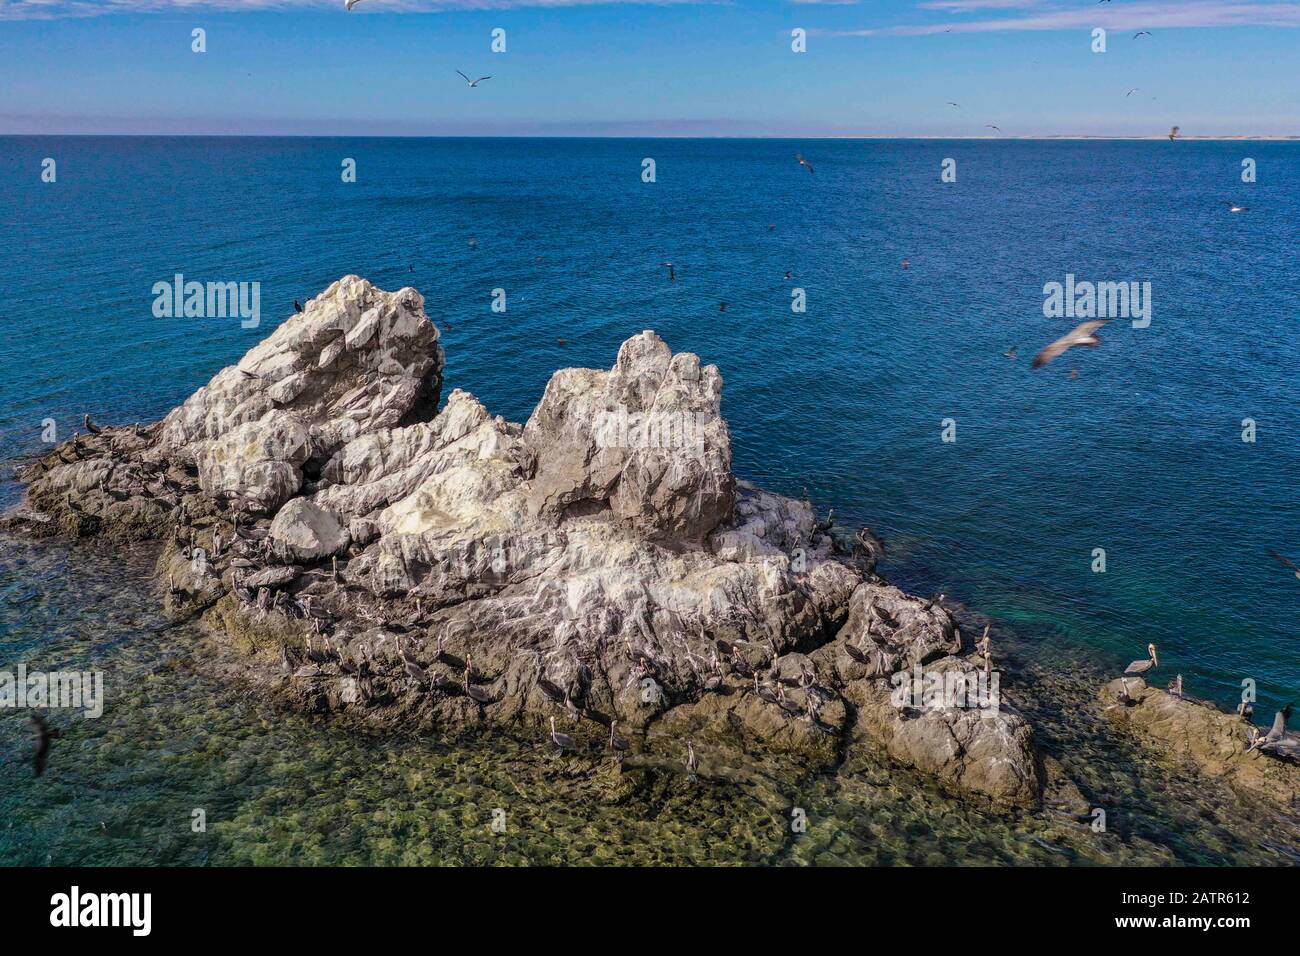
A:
(577, 67)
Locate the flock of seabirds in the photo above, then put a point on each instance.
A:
(1277, 741)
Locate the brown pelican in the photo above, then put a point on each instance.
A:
(616, 743)
(477, 693)
(821, 527)
(43, 738)
(786, 703)
(803, 162)
(1275, 733)
(692, 762)
(1141, 667)
(563, 741)
(1176, 686)
(95, 429)
(571, 709)
(672, 271)
(1245, 709)
(1173, 134)
(765, 692)
(1081, 334)
(871, 547)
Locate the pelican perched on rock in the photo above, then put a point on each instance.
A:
(765, 692)
(1141, 667)
(91, 426)
(563, 741)
(1176, 686)
(1245, 709)
(1275, 733)
(473, 692)
(692, 762)
(616, 743)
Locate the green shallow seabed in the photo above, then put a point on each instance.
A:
(282, 788)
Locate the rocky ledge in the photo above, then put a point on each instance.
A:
(596, 575)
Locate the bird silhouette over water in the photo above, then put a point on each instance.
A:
(1173, 133)
(44, 736)
(1082, 334)
(672, 271)
(473, 83)
(1233, 207)
(350, 4)
(1010, 353)
(803, 162)
(1285, 562)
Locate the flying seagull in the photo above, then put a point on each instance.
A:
(803, 162)
(350, 4)
(473, 83)
(1142, 33)
(991, 126)
(1233, 207)
(1131, 92)
(1081, 334)
(1285, 562)
(672, 271)
(1010, 353)
(43, 737)
(951, 103)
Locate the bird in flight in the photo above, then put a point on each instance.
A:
(1010, 353)
(473, 83)
(1142, 33)
(1081, 334)
(350, 4)
(672, 271)
(1285, 562)
(1131, 92)
(991, 126)
(1173, 133)
(1233, 207)
(951, 103)
(803, 162)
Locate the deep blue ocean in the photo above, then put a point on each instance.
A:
(1141, 454)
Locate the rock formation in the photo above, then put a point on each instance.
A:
(599, 563)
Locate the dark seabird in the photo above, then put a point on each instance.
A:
(672, 271)
(43, 738)
(563, 741)
(1173, 134)
(1245, 709)
(1082, 334)
(722, 307)
(95, 429)
(350, 4)
(803, 162)
(474, 692)
(907, 263)
(1285, 562)
(1142, 33)
(821, 527)
(1141, 667)
(297, 307)
(765, 692)
(616, 743)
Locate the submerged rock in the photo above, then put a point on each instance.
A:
(1197, 732)
(599, 564)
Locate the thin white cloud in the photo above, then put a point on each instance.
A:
(56, 9)
(1163, 14)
